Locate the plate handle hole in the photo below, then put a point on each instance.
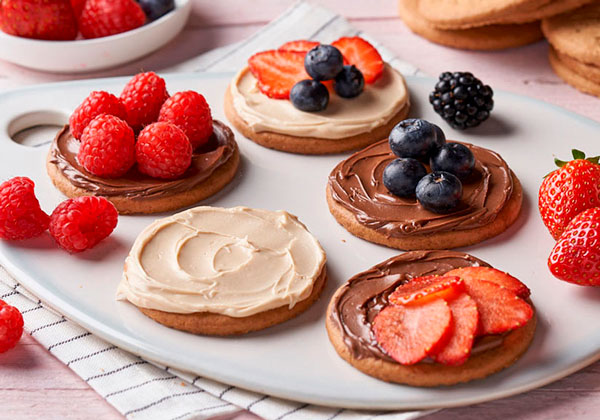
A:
(37, 128)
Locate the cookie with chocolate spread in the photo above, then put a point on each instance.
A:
(359, 201)
(224, 271)
(357, 303)
(213, 166)
(489, 37)
(346, 124)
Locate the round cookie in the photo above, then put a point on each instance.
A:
(491, 37)
(136, 193)
(402, 223)
(224, 271)
(349, 333)
(571, 76)
(318, 145)
(576, 34)
(587, 71)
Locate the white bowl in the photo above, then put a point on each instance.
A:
(85, 55)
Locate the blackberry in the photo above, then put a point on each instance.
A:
(462, 99)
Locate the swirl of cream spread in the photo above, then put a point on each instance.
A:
(342, 118)
(233, 261)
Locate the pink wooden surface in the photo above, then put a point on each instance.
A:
(33, 384)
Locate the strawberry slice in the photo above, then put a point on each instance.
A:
(409, 333)
(363, 55)
(421, 290)
(500, 310)
(278, 71)
(495, 276)
(465, 318)
(299, 46)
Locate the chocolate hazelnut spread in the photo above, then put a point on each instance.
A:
(359, 301)
(356, 184)
(135, 185)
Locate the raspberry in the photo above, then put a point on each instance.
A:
(96, 103)
(107, 147)
(11, 326)
(163, 151)
(190, 112)
(80, 223)
(143, 97)
(101, 18)
(20, 214)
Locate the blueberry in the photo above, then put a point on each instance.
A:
(439, 192)
(156, 8)
(454, 158)
(323, 62)
(349, 82)
(402, 175)
(415, 138)
(309, 95)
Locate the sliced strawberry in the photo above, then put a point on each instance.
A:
(500, 310)
(465, 318)
(277, 71)
(409, 333)
(495, 276)
(421, 290)
(299, 46)
(363, 55)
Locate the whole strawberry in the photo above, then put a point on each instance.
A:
(568, 191)
(189, 111)
(11, 326)
(38, 19)
(576, 256)
(80, 223)
(98, 102)
(101, 18)
(143, 96)
(20, 214)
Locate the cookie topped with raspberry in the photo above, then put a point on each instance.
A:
(144, 151)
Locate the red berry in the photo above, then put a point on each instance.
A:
(568, 191)
(278, 71)
(299, 46)
(39, 19)
(143, 96)
(410, 333)
(101, 18)
(80, 223)
(425, 289)
(363, 55)
(500, 310)
(77, 6)
(98, 102)
(11, 326)
(495, 276)
(20, 214)
(576, 256)
(190, 112)
(163, 151)
(465, 318)
(107, 147)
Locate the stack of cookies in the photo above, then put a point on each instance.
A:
(482, 25)
(574, 52)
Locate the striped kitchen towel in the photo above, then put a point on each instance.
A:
(138, 388)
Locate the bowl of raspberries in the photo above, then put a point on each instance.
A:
(77, 36)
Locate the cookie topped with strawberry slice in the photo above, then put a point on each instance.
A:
(429, 318)
(145, 150)
(313, 98)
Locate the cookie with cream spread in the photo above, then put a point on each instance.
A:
(358, 199)
(266, 115)
(356, 311)
(224, 271)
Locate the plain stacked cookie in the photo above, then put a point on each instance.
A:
(575, 47)
(489, 25)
